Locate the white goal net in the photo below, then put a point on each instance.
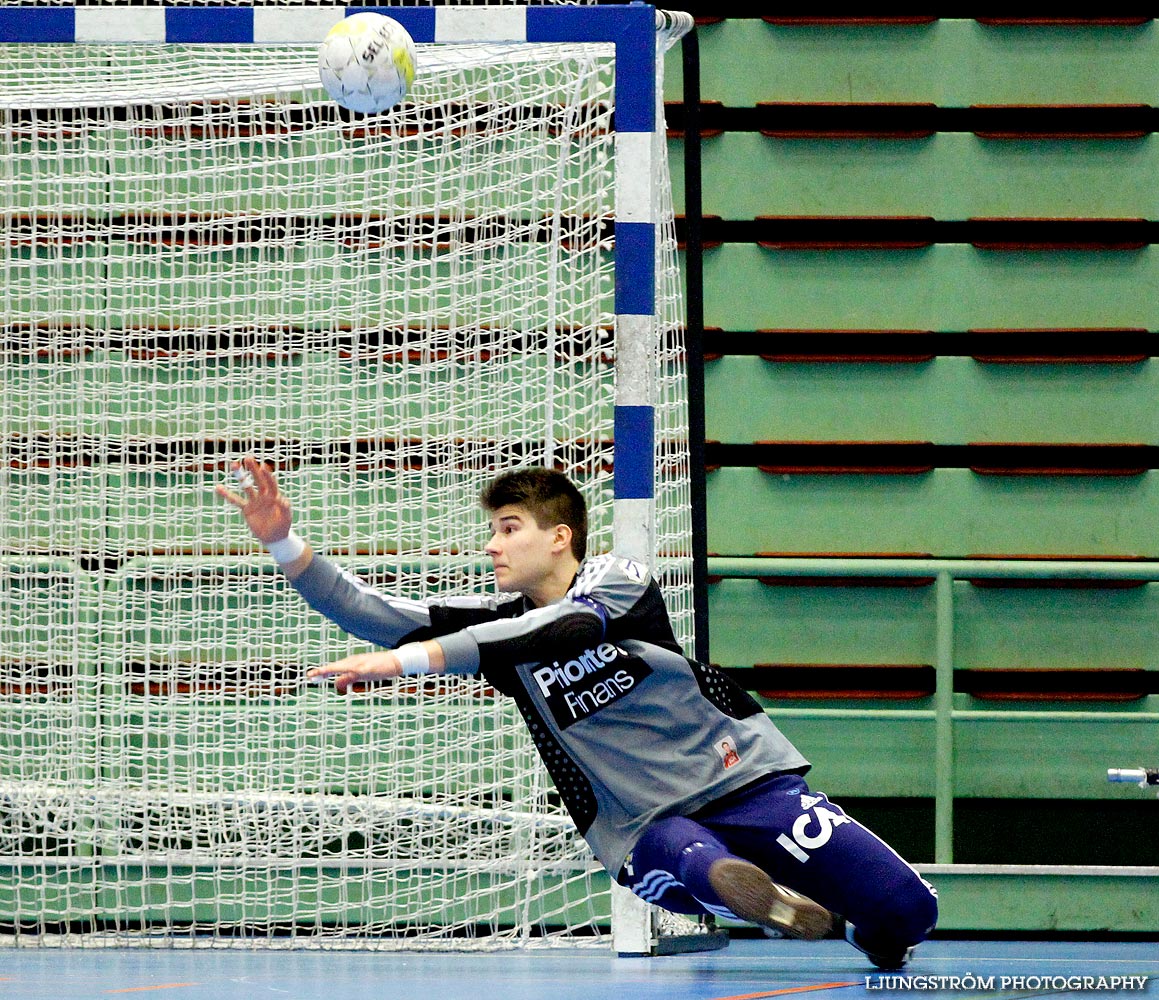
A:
(203, 258)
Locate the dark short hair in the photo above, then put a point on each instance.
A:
(549, 496)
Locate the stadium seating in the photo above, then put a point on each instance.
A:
(929, 300)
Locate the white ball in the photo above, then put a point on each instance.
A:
(367, 62)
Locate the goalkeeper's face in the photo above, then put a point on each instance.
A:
(524, 556)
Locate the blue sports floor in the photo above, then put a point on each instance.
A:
(747, 970)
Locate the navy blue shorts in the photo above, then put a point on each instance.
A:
(803, 841)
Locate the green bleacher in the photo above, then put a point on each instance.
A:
(855, 181)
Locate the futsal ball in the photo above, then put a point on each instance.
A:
(367, 62)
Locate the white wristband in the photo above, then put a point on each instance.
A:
(286, 550)
(413, 658)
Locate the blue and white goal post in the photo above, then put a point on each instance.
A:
(207, 258)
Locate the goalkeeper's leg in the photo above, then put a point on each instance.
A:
(808, 844)
(682, 866)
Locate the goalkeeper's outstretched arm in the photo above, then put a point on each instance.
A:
(558, 629)
(435, 636)
(345, 600)
(424, 657)
(268, 514)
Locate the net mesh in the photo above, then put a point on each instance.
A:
(206, 260)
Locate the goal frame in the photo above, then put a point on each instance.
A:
(632, 30)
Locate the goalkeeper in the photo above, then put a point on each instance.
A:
(684, 789)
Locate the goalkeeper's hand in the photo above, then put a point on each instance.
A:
(266, 511)
(413, 658)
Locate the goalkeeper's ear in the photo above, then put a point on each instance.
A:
(561, 539)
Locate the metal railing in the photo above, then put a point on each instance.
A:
(943, 715)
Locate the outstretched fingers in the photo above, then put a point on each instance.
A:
(261, 477)
(246, 488)
(356, 669)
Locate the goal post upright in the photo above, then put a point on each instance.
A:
(638, 135)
